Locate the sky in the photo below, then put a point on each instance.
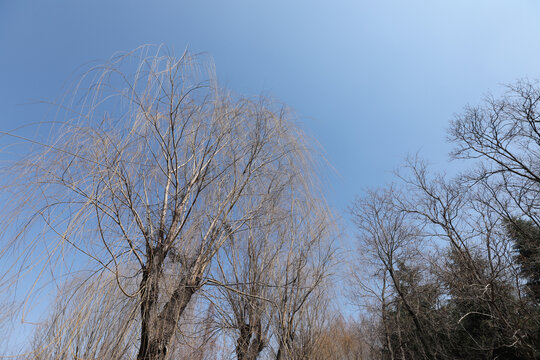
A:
(371, 81)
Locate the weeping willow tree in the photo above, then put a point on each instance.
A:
(151, 171)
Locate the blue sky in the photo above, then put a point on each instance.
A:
(370, 80)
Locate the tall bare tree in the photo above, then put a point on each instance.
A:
(301, 298)
(246, 273)
(150, 174)
(389, 239)
(274, 279)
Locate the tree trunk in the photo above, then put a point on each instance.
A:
(157, 329)
(250, 342)
(242, 343)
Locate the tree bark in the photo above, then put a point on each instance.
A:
(158, 327)
(250, 342)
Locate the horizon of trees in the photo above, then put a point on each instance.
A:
(172, 219)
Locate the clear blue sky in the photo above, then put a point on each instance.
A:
(370, 80)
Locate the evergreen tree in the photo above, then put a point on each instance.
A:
(526, 237)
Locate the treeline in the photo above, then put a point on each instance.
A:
(172, 219)
(455, 264)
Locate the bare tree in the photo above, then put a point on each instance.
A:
(502, 135)
(478, 268)
(305, 271)
(274, 279)
(472, 294)
(247, 276)
(151, 173)
(389, 239)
